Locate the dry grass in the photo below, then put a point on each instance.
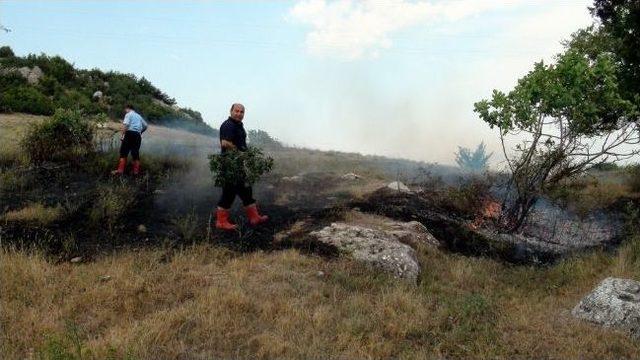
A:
(34, 213)
(205, 302)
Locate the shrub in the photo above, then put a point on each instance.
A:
(262, 139)
(470, 197)
(64, 136)
(112, 202)
(477, 160)
(633, 173)
(606, 166)
(234, 166)
(25, 99)
(6, 52)
(35, 213)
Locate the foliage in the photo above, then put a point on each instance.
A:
(66, 87)
(65, 136)
(263, 140)
(473, 160)
(562, 110)
(606, 166)
(25, 99)
(470, 197)
(112, 203)
(633, 172)
(5, 51)
(233, 166)
(620, 20)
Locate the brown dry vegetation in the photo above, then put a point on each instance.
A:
(206, 302)
(34, 213)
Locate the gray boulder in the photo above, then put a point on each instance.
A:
(615, 303)
(33, 75)
(399, 186)
(388, 250)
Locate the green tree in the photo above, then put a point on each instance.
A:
(262, 139)
(567, 117)
(24, 98)
(477, 160)
(620, 19)
(6, 52)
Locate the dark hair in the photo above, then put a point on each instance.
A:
(129, 106)
(234, 105)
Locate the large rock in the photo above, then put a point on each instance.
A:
(387, 249)
(399, 186)
(33, 75)
(615, 303)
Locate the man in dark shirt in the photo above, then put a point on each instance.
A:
(234, 137)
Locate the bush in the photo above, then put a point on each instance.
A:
(262, 139)
(469, 160)
(6, 52)
(606, 166)
(25, 99)
(65, 136)
(470, 197)
(633, 172)
(111, 204)
(35, 213)
(234, 166)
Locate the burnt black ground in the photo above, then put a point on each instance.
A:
(167, 202)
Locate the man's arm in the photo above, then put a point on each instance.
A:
(226, 144)
(125, 126)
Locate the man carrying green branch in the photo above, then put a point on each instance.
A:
(233, 137)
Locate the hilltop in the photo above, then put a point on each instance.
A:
(39, 84)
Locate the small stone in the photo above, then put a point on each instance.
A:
(76, 259)
(351, 176)
(142, 229)
(320, 274)
(105, 278)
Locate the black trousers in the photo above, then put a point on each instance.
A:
(229, 194)
(131, 143)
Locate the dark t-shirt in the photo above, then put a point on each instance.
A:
(232, 130)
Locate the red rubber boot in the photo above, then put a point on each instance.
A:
(121, 165)
(222, 220)
(254, 217)
(136, 167)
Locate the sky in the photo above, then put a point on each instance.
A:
(395, 78)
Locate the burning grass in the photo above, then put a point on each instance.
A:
(205, 301)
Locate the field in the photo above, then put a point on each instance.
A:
(183, 294)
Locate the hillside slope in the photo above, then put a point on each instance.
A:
(39, 84)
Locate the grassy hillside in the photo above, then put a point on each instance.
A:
(170, 290)
(205, 301)
(39, 84)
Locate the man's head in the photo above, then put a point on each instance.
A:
(128, 108)
(237, 112)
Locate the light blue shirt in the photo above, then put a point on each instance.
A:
(134, 122)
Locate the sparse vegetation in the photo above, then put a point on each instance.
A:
(475, 161)
(64, 86)
(35, 213)
(112, 202)
(270, 305)
(249, 165)
(68, 135)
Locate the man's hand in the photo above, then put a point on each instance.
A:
(226, 144)
(121, 137)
